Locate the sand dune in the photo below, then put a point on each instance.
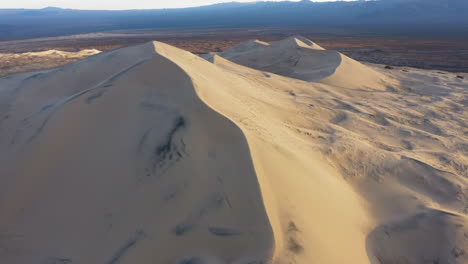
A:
(300, 58)
(11, 63)
(150, 154)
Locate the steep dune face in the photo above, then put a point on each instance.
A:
(297, 184)
(131, 168)
(151, 154)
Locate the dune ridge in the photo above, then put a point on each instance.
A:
(237, 94)
(300, 58)
(172, 158)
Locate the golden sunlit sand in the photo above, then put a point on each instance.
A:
(265, 153)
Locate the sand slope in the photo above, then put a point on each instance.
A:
(150, 154)
(124, 168)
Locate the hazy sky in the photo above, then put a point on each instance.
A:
(111, 4)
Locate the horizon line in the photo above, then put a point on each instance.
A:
(195, 6)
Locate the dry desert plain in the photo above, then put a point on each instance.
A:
(263, 153)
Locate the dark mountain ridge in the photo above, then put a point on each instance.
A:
(398, 17)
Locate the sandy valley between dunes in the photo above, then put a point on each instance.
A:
(264, 153)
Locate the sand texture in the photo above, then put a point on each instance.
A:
(274, 153)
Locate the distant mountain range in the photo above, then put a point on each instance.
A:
(399, 17)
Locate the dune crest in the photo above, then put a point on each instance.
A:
(296, 42)
(150, 154)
